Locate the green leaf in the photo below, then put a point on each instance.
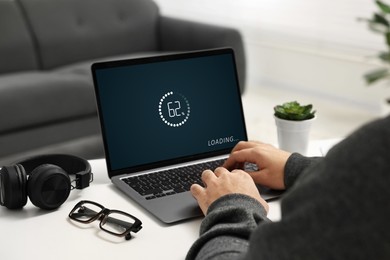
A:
(384, 7)
(384, 56)
(387, 35)
(376, 27)
(380, 19)
(376, 75)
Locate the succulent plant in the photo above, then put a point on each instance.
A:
(294, 111)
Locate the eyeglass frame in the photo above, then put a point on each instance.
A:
(102, 216)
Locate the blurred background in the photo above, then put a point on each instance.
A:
(316, 47)
(314, 51)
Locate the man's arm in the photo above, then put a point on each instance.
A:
(240, 215)
(295, 165)
(225, 232)
(336, 209)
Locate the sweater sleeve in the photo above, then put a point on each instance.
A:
(295, 165)
(336, 209)
(225, 232)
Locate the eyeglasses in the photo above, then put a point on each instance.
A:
(115, 222)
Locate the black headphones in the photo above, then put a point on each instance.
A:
(48, 183)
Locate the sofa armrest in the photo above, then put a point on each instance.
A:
(183, 35)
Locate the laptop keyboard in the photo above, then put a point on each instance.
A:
(169, 182)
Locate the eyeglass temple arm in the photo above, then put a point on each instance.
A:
(134, 229)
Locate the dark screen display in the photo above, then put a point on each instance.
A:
(168, 109)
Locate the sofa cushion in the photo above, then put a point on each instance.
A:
(68, 31)
(83, 68)
(16, 46)
(34, 98)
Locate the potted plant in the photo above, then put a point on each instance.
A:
(380, 23)
(293, 122)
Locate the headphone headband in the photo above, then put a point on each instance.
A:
(71, 164)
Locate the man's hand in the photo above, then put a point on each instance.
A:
(223, 182)
(270, 161)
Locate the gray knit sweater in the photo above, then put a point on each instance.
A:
(336, 207)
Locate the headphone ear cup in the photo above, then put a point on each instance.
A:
(48, 186)
(13, 186)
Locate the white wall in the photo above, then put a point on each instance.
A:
(312, 46)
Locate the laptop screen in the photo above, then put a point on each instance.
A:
(168, 109)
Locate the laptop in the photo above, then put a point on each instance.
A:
(168, 117)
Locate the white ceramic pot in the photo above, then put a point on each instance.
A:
(293, 136)
(385, 108)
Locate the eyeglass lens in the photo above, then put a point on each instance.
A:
(117, 223)
(86, 212)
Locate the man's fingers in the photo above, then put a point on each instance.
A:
(244, 145)
(207, 175)
(238, 158)
(199, 194)
(196, 190)
(219, 171)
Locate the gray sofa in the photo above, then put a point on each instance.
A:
(47, 102)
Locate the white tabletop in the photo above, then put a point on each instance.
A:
(31, 233)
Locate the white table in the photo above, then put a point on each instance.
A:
(31, 233)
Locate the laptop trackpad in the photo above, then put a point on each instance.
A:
(176, 208)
